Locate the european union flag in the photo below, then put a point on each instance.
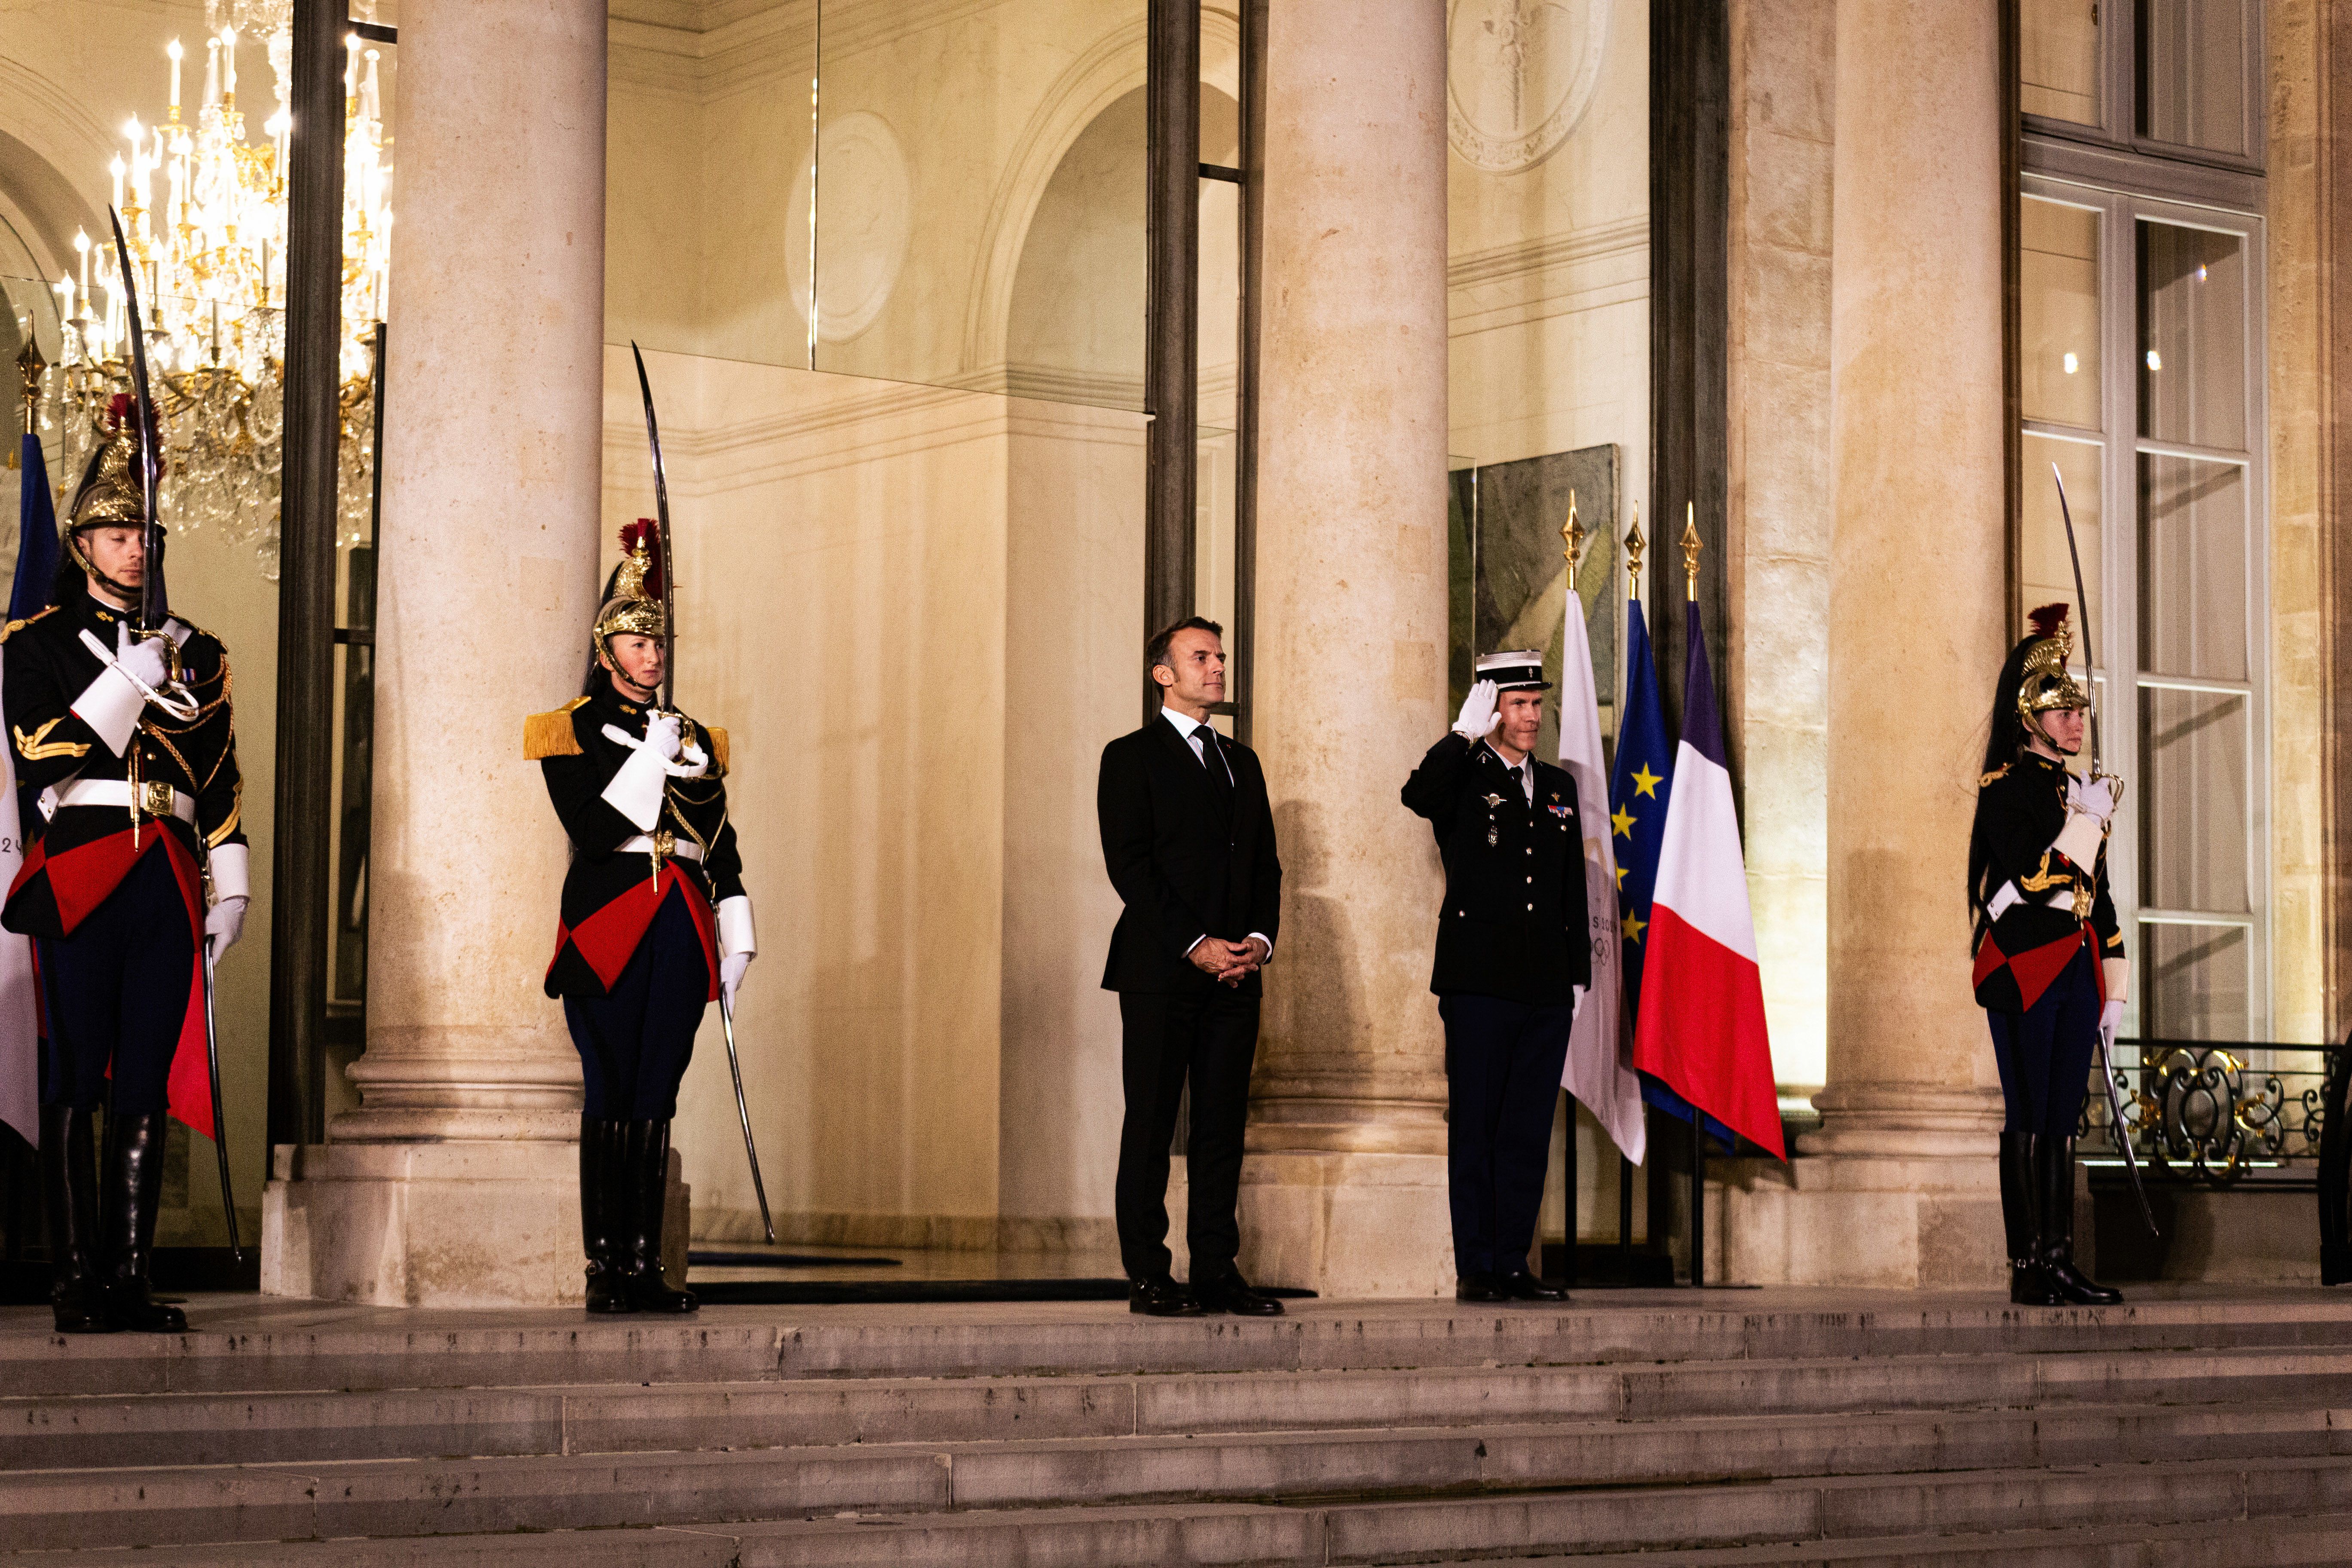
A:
(1638, 786)
(36, 536)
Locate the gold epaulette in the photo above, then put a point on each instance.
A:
(551, 734)
(13, 628)
(718, 749)
(1998, 773)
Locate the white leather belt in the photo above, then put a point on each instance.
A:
(156, 798)
(680, 850)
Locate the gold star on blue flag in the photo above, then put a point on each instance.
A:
(1639, 785)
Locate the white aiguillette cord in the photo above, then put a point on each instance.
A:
(183, 706)
(701, 762)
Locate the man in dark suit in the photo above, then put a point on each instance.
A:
(1514, 957)
(1188, 839)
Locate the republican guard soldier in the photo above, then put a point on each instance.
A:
(2050, 968)
(135, 874)
(656, 923)
(1514, 957)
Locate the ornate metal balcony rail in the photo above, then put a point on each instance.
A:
(2218, 1112)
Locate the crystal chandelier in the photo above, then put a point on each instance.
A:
(204, 215)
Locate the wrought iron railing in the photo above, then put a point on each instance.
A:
(2218, 1112)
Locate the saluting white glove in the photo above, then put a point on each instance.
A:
(142, 657)
(224, 923)
(1479, 715)
(663, 735)
(2094, 799)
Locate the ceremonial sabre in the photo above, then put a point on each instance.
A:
(2090, 691)
(669, 686)
(153, 612)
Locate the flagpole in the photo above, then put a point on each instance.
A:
(1691, 547)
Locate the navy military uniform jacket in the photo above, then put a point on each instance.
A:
(75, 859)
(1513, 924)
(1185, 865)
(611, 894)
(2061, 906)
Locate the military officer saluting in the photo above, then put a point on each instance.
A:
(2050, 968)
(135, 874)
(1513, 959)
(656, 923)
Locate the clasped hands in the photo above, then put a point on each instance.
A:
(1228, 961)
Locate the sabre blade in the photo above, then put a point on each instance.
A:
(151, 607)
(661, 509)
(743, 1109)
(2083, 601)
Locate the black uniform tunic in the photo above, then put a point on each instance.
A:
(637, 955)
(117, 906)
(2038, 971)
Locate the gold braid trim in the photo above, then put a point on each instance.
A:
(219, 835)
(13, 628)
(1995, 777)
(2046, 879)
(33, 749)
(551, 734)
(718, 749)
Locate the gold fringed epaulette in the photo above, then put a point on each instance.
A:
(551, 734)
(13, 628)
(1996, 775)
(718, 749)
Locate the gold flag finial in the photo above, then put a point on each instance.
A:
(1572, 533)
(1633, 555)
(33, 367)
(1692, 546)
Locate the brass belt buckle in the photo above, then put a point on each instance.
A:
(155, 798)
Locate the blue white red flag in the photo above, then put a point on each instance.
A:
(20, 1030)
(1639, 789)
(1701, 1032)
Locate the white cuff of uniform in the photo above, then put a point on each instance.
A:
(1269, 945)
(2003, 901)
(735, 933)
(2118, 972)
(636, 790)
(229, 873)
(2079, 839)
(110, 706)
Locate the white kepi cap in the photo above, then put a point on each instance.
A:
(1520, 670)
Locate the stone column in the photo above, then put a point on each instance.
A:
(1898, 1187)
(1344, 1189)
(455, 1182)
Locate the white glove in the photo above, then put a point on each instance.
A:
(2111, 1018)
(224, 923)
(1479, 715)
(2094, 799)
(142, 657)
(731, 975)
(663, 735)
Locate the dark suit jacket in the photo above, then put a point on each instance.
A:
(1513, 924)
(1182, 870)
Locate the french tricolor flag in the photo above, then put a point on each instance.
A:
(1701, 1029)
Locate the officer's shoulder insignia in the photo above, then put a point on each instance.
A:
(13, 628)
(1995, 777)
(718, 747)
(551, 734)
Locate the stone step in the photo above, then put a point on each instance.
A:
(2315, 1542)
(98, 1431)
(329, 1349)
(131, 1507)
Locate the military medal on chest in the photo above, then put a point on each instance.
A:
(1494, 832)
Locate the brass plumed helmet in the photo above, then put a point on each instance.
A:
(632, 601)
(109, 494)
(2046, 683)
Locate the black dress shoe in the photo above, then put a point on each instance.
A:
(1161, 1297)
(1519, 1285)
(1231, 1293)
(1479, 1286)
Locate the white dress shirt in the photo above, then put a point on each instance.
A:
(1189, 729)
(1524, 767)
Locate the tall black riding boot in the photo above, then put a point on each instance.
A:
(69, 1191)
(2029, 1285)
(133, 1190)
(647, 1190)
(2053, 1160)
(601, 1223)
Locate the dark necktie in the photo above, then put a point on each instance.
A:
(1221, 779)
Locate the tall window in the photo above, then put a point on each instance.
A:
(2141, 382)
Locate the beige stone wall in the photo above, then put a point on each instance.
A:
(1784, 62)
(2298, 566)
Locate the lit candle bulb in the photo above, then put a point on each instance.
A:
(351, 66)
(174, 50)
(228, 65)
(64, 292)
(81, 242)
(212, 72)
(115, 168)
